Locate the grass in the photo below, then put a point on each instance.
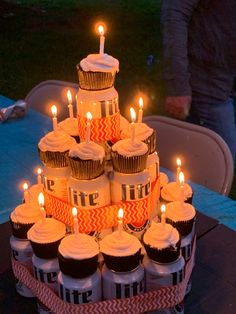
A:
(42, 40)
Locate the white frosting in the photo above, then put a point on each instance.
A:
(56, 141)
(47, 231)
(78, 247)
(34, 191)
(70, 126)
(116, 245)
(171, 191)
(177, 211)
(124, 123)
(160, 237)
(87, 151)
(128, 148)
(100, 63)
(26, 213)
(142, 131)
(163, 179)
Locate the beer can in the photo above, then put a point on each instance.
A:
(153, 166)
(80, 291)
(122, 285)
(21, 251)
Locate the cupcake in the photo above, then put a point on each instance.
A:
(45, 237)
(181, 216)
(128, 156)
(162, 243)
(54, 147)
(121, 252)
(78, 255)
(23, 218)
(143, 133)
(86, 160)
(171, 192)
(34, 191)
(97, 71)
(70, 126)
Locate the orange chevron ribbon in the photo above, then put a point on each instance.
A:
(105, 216)
(102, 129)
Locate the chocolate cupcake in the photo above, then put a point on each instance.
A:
(86, 160)
(171, 192)
(181, 216)
(70, 126)
(54, 147)
(23, 218)
(128, 156)
(97, 72)
(45, 237)
(78, 255)
(162, 243)
(121, 252)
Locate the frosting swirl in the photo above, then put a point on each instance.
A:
(56, 141)
(70, 126)
(100, 63)
(161, 237)
(142, 131)
(47, 231)
(124, 123)
(87, 151)
(177, 211)
(171, 191)
(26, 213)
(124, 245)
(128, 148)
(163, 179)
(78, 247)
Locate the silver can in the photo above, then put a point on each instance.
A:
(80, 291)
(21, 251)
(122, 285)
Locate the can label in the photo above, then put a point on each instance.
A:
(157, 281)
(76, 296)
(137, 229)
(128, 290)
(47, 277)
(56, 186)
(23, 257)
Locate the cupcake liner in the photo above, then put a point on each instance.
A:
(184, 227)
(151, 142)
(122, 263)
(54, 159)
(132, 164)
(78, 268)
(95, 80)
(166, 255)
(45, 250)
(19, 230)
(77, 138)
(85, 169)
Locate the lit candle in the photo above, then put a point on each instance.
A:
(89, 118)
(140, 112)
(41, 205)
(54, 117)
(76, 224)
(26, 193)
(181, 181)
(102, 39)
(163, 215)
(70, 107)
(39, 177)
(178, 162)
(120, 221)
(133, 118)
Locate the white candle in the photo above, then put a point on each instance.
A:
(39, 177)
(133, 118)
(163, 215)
(41, 205)
(70, 107)
(102, 39)
(54, 117)
(178, 162)
(76, 224)
(89, 118)
(120, 221)
(181, 181)
(26, 193)
(140, 112)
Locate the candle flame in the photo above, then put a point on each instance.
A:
(89, 115)
(25, 186)
(54, 110)
(178, 161)
(101, 29)
(133, 114)
(181, 178)
(120, 213)
(41, 199)
(140, 101)
(74, 212)
(163, 208)
(39, 171)
(69, 97)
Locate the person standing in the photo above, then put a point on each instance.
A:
(199, 55)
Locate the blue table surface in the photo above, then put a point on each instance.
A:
(19, 160)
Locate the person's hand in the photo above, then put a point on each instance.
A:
(178, 106)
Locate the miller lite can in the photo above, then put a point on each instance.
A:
(80, 290)
(45, 270)
(120, 285)
(163, 275)
(21, 251)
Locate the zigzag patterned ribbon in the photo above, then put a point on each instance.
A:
(103, 129)
(154, 300)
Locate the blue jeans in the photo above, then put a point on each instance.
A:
(216, 116)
